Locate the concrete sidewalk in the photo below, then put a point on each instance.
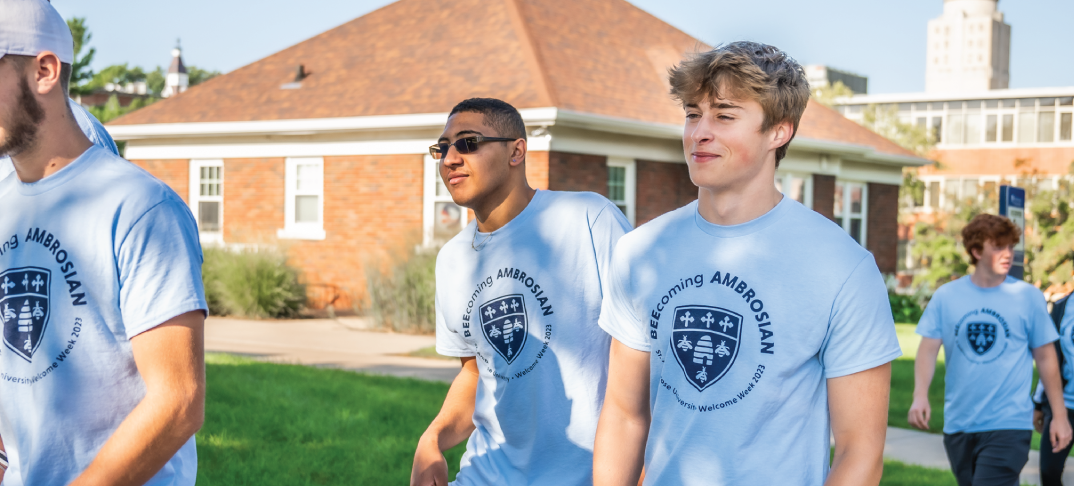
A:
(348, 343)
(342, 343)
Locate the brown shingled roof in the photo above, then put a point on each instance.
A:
(604, 57)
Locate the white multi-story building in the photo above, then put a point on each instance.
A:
(968, 48)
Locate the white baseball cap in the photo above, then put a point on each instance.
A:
(30, 27)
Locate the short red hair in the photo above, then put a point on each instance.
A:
(989, 227)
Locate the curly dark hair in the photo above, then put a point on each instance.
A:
(749, 70)
(989, 227)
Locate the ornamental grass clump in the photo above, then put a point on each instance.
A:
(402, 298)
(251, 283)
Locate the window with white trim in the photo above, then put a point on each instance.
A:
(443, 218)
(851, 206)
(303, 199)
(207, 198)
(622, 185)
(797, 186)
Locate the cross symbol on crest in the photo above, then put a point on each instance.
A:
(7, 285)
(726, 323)
(708, 320)
(489, 311)
(504, 306)
(25, 282)
(37, 283)
(687, 319)
(514, 305)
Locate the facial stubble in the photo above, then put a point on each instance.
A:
(24, 124)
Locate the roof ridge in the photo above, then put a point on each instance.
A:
(533, 60)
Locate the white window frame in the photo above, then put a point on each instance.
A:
(807, 185)
(301, 231)
(630, 185)
(430, 198)
(864, 208)
(195, 197)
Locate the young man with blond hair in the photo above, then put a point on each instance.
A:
(992, 327)
(518, 294)
(745, 326)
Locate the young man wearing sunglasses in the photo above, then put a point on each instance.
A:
(518, 294)
(746, 326)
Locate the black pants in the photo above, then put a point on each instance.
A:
(1051, 463)
(992, 458)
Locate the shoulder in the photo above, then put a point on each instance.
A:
(137, 190)
(648, 235)
(1026, 290)
(590, 204)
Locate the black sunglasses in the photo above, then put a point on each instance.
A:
(464, 145)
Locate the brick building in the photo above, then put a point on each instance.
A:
(322, 147)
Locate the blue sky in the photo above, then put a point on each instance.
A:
(884, 40)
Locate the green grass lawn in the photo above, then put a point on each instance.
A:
(271, 424)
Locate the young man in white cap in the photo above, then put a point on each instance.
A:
(746, 326)
(101, 364)
(91, 128)
(518, 294)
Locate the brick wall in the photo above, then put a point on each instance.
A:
(174, 172)
(824, 195)
(882, 230)
(253, 200)
(662, 187)
(577, 172)
(537, 169)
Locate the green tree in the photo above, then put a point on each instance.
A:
(80, 70)
(196, 75)
(828, 94)
(155, 80)
(1049, 229)
(885, 121)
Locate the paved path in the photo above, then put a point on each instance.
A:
(349, 344)
(334, 343)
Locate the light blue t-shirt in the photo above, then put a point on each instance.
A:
(525, 302)
(744, 325)
(90, 257)
(988, 336)
(1066, 343)
(89, 125)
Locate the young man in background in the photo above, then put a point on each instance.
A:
(992, 327)
(744, 323)
(518, 295)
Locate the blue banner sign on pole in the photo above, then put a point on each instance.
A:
(1012, 204)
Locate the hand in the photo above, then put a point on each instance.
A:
(430, 467)
(1060, 431)
(1038, 421)
(920, 413)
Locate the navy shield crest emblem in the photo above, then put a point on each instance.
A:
(24, 308)
(503, 322)
(982, 335)
(705, 341)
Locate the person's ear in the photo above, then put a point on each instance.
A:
(976, 253)
(782, 133)
(47, 70)
(518, 152)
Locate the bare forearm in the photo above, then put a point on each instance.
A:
(619, 451)
(455, 422)
(855, 467)
(924, 370)
(858, 405)
(145, 441)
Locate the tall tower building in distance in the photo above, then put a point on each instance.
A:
(176, 80)
(969, 48)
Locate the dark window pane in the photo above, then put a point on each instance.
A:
(990, 128)
(936, 106)
(934, 195)
(209, 216)
(973, 105)
(992, 104)
(1046, 102)
(1066, 101)
(921, 106)
(1008, 103)
(1064, 126)
(617, 183)
(904, 106)
(1008, 128)
(855, 229)
(937, 129)
(1046, 126)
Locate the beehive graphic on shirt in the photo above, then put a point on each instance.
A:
(705, 341)
(504, 324)
(24, 308)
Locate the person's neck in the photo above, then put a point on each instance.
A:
(985, 278)
(504, 208)
(59, 142)
(728, 206)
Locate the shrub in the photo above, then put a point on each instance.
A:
(403, 298)
(907, 305)
(251, 283)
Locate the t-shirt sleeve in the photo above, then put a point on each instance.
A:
(159, 262)
(861, 330)
(1041, 327)
(931, 324)
(449, 341)
(618, 315)
(605, 231)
